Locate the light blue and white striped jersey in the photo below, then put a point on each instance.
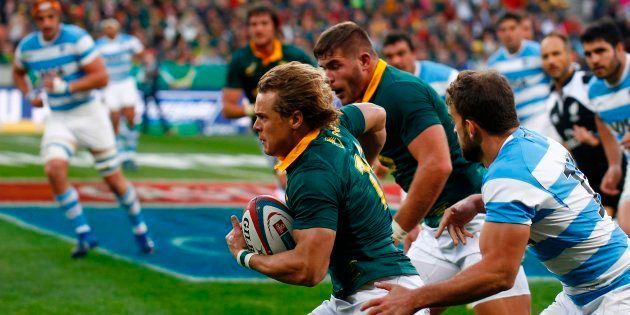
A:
(437, 75)
(65, 56)
(534, 181)
(118, 54)
(612, 102)
(526, 76)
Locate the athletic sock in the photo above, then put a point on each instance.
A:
(69, 204)
(129, 201)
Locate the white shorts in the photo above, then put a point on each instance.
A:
(439, 259)
(615, 302)
(117, 95)
(352, 304)
(87, 126)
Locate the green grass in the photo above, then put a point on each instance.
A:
(37, 276)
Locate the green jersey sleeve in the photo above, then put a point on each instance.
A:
(413, 109)
(312, 198)
(352, 119)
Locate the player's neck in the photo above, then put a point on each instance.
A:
(560, 82)
(615, 77)
(265, 49)
(514, 50)
(368, 79)
(491, 146)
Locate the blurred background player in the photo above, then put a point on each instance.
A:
(250, 63)
(422, 151)
(609, 92)
(571, 112)
(341, 220)
(121, 94)
(398, 51)
(532, 194)
(519, 61)
(68, 67)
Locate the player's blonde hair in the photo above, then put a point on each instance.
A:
(301, 87)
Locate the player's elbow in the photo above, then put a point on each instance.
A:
(504, 280)
(102, 80)
(311, 275)
(228, 111)
(443, 168)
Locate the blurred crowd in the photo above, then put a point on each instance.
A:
(455, 32)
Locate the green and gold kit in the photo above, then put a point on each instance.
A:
(248, 66)
(413, 106)
(330, 185)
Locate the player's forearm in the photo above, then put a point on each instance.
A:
(90, 81)
(289, 267)
(611, 147)
(19, 80)
(472, 284)
(232, 110)
(426, 186)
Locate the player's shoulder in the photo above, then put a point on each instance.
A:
(596, 87)
(72, 31)
(241, 54)
(497, 56)
(291, 49)
(437, 70)
(397, 84)
(518, 157)
(530, 48)
(29, 42)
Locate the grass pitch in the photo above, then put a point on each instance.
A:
(38, 277)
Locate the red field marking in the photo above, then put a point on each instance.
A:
(185, 193)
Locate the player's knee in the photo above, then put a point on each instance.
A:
(56, 169)
(107, 162)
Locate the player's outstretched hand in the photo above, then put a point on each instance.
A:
(235, 239)
(610, 181)
(398, 301)
(457, 216)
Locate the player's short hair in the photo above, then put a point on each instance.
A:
(110, 22)
(301, 87)
(40, 5)
(484, 97)
(604, 29)
(260, 9)
(562, 37)
(510, 15)
(347, 36)
(398, 36)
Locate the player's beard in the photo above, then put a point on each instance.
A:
(471, 150)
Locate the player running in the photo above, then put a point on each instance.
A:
(121, 94)
(532, 194)
(423, 153)
(68, 67)
(341, 219)
(249, 63)
(609, 92)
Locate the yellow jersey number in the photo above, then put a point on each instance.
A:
(363, 167)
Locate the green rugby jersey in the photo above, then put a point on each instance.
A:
(330, 185)
(248, 66)
(412, 106)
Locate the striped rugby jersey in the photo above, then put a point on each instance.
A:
(612, 102)
(118, 54)
(64, 56)
(437, 75)
(534, 181)
(526, 76)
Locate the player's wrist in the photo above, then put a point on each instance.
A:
(243, 257)
(398, 233)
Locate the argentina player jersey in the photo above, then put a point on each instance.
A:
(612, 103)
(437, 75)
(118, 54)
(535, 182)
(526, 76)
(63, 56)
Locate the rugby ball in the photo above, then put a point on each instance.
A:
(267, 226)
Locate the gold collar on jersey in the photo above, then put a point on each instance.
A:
(276, 53)
(295, 153)
(374, 82)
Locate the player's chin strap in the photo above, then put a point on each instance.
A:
(399, 234)
(243, 257)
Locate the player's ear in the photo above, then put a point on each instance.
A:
(365, 59)
(472, 128)
(296, 119)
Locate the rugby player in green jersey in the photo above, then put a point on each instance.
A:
(249, 63)
(342, 224)
(422, 151)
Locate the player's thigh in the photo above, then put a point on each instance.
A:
(95, 130)
(129, 98)
(112, 94)
(58, 141)
(562, 305)
(430, 263)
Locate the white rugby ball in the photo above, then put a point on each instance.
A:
(267, 226)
